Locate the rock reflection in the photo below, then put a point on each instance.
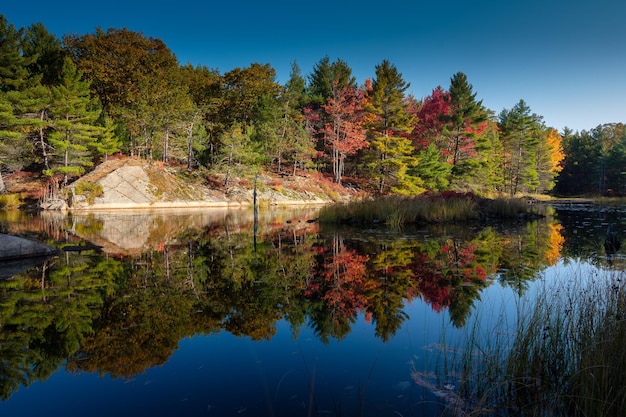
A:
(165, 276)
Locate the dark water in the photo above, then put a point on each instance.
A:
(204, 313)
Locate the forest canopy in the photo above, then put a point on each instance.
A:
(68, 104)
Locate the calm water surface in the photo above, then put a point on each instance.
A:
(205, 313)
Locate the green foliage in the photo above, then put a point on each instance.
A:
(238, 156)
(75, 133)
(327, 76)
(13, 65)
(521, 138)
(10, 201)
(432, 169)
(162, 110)
(90, 190)
(108, 142)
(386, 101)
(390, 161)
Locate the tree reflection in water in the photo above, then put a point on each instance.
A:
(160, 279)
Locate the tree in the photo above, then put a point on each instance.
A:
(386, 102)
(339, 123)
(580, 165)
(430, 120)
(108, 143)
(520, 135)
(74, 132)
(327, 77)
(13, 65)
(204, 86)
(393, 164)
(549, 158)
(388, 127)
(292, 128)
(245, 91)
(431, 169)
(283, 125)
(44, 52)
(463, 123)
(238, 155)
(9, 137)
(117, 62)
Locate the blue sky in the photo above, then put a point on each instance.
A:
(565, 58)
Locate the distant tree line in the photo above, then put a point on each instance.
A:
(67, 104)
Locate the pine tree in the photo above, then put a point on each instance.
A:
(465, 121)
(44, 52)
(391, 152)
(520, 135)
(327, 77)
(74, 134)
(9, 138)
(108, 142)
(432, 169)
(13, 65)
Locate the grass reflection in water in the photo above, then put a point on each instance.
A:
(340, 321)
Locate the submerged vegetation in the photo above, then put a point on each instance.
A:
(448, 207)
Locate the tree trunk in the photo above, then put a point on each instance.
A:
(190, 145)
(1, 183)
(42, 141)
(166, 145)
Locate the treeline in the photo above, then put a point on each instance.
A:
(66, 104)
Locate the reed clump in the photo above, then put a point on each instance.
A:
(447, 207)
(566, 355)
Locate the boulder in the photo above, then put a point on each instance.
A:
(13, 247)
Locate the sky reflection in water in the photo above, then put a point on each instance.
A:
(295, 373)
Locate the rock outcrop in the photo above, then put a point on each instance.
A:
(130, 183)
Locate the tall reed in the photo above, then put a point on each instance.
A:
(565, 355)
(397, 210)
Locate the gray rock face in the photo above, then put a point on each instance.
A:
(12, 247)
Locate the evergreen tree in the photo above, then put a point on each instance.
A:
(13, 65)
(580, 165)
(108, 143)
(74, 115)
(431, 169)
(393, 165)
(45, 53)
(292, 142)
(463, 123)
(239, 155)
(10, 139)
(520, 137)
(391, 152)
(327, 77)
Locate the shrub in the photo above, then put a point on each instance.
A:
(10, 201)
(90, 190)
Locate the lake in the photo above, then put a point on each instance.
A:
(209, 313)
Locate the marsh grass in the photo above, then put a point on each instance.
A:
(565, 355)
(396, 211)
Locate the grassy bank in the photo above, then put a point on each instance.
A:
(566, 355)
(396, 210)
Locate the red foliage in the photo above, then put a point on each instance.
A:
(430, 118)
(340, 282)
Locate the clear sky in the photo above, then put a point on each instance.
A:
(565, 58)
